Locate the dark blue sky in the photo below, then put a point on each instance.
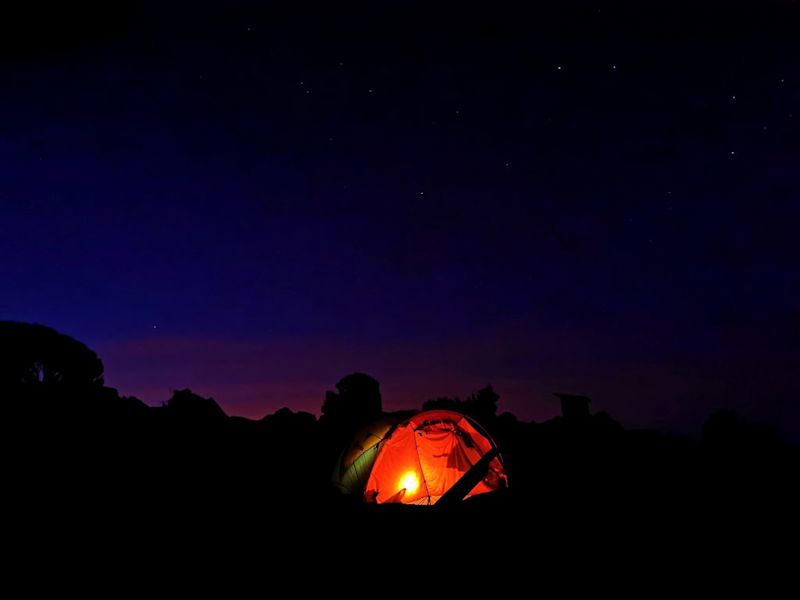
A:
(253, 201)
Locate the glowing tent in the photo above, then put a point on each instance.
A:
(420, 460)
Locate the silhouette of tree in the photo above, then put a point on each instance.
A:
(36, 356)
(444, 403)
(481, 406)
(355, 403)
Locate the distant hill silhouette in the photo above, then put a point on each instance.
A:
(188, 406)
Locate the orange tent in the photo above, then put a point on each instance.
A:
(419, 460)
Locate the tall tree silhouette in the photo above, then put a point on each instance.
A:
(38, 356)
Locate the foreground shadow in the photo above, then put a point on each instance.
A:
(86, 460)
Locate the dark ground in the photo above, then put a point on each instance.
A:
(107, 482)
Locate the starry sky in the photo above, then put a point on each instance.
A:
(253, 200)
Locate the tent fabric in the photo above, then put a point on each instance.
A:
(356, 463)
(419, 460)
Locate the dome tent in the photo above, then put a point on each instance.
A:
(420, 459)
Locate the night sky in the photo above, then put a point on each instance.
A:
(590, 197)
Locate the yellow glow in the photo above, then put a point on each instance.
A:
(409, 482)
